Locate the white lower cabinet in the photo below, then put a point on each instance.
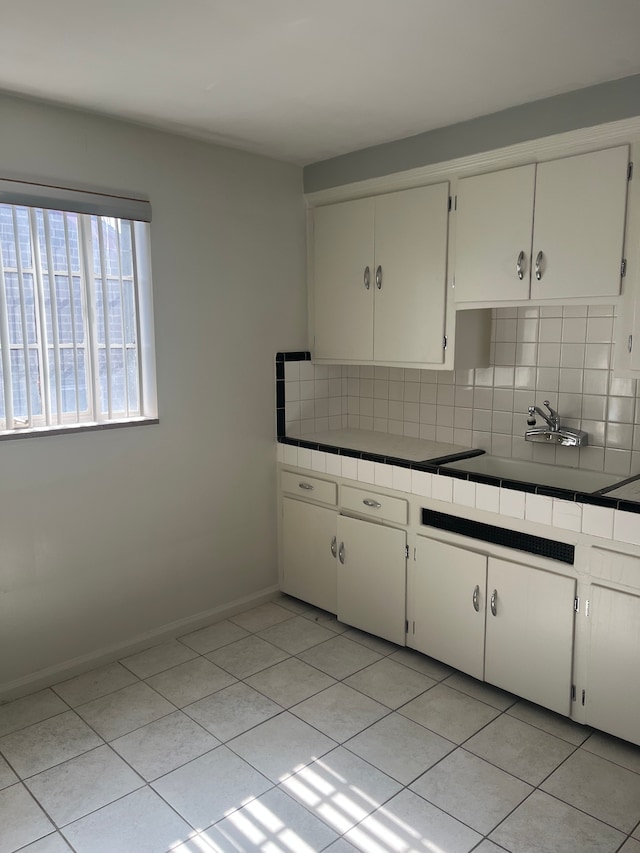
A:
(372, 577)
(612, 695)
(308, 543)
(447, 594)
(504, 622)
(348, 566)
(530, 627)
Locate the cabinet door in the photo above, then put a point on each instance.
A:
(447, 596)
(612, 699)
(579, 225)
(411, 257)
(372, 578)
(494, 224)
(529, 637)
(308, 565)
(343, 305)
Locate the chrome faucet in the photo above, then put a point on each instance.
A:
(552, 419)
(554, 431)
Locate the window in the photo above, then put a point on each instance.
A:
(76, 325)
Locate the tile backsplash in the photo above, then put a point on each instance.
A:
(560, 354)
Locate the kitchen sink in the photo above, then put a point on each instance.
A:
(557, 476)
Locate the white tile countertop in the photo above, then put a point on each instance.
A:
(385, 444)
(611, 522)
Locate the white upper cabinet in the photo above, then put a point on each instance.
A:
(379, 278)
(627, 330)
(343, 295)
(410, 279)
(545, 232)
(494, 224)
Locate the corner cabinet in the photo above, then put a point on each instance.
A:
(379, 278)
(609, 695)
(614, 636)
(351, 565)
(308, 540)
(549, 231)
(499, 621)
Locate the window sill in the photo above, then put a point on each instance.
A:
(70, 429)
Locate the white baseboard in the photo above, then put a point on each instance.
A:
(76, 666)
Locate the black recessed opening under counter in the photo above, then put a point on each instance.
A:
(538, 545)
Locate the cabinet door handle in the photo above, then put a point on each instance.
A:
(306, 486)
(519, 266)
(476, 599)
(374, 504)
(367, 278)
(494, 599)
(539, 258)
(379, 278)
(341, 553)
(334, 547)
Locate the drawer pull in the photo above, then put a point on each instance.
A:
(476, 599)
(494, 599)
(373, 504)
(334, 546)
(519, 266)
(341, 553)
(306, 486)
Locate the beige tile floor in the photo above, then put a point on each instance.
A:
(282, 730)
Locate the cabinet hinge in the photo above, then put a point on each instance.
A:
(406, 552)
(444, 342)
(586, 607)
(576, 604)
(623, 267)
(630, 171)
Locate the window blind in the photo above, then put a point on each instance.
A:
(76, 317)
(71, 200)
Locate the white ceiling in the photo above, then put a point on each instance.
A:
(303, 80)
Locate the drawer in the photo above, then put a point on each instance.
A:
(309, 487)
(375, 505)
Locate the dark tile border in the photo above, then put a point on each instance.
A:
(539, 545)
(281, 358)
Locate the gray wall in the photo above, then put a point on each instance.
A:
(618, 99)
(108, 535)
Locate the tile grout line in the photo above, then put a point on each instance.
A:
(338, 744)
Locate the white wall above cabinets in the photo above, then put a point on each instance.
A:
(551, 231)
(379, 282)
